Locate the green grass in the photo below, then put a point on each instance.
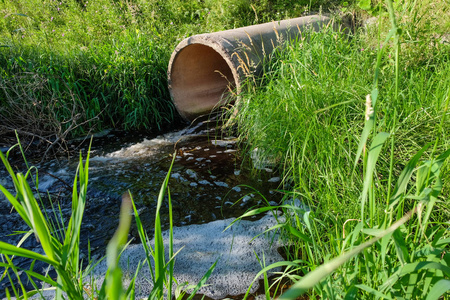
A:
(113, 74)
(308, 113)
(60, 251)
(97, 64)
(359, 127)
(60, 243)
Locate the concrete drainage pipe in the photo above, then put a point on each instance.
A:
(204, 67)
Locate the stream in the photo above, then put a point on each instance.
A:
(209, 182)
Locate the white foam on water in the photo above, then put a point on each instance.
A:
(151, 147)
(224, 143)
(203, 245)
(47, 181)
(99, 159)
(142, 149)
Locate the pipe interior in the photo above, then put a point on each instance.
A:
(199, 80)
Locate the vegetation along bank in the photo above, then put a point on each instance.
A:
(73, 67)
(358, 124)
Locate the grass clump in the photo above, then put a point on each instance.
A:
(92, 56)
(60, 243)
(91, 65)
(359, 128)
(309, 110)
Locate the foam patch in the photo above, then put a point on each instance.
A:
(203, 245)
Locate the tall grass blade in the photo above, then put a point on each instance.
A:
(412, 268)
(72, 237)
(202, 281)
(159, 255)
(131, 290)
(16, 204)
(368, 125)
(314, 277)
(114, 274)
(34, 213)
(440, 288)
(372, 157)
(144, 238)
(8, 249)
(38, 276)
(294, 264)
(260, 210)
(405, 176)
(298, 234)
(400, 247)
(172, 261)
(373, 291)
(436, 188)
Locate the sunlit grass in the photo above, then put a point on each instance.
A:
(372, 169)
(359, 127)
(60, 243)
(308, 115)
(108, 59)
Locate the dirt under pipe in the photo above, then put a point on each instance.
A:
(204, 67)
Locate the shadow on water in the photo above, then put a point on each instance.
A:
(208, 182)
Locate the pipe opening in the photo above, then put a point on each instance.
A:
(199, 80)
